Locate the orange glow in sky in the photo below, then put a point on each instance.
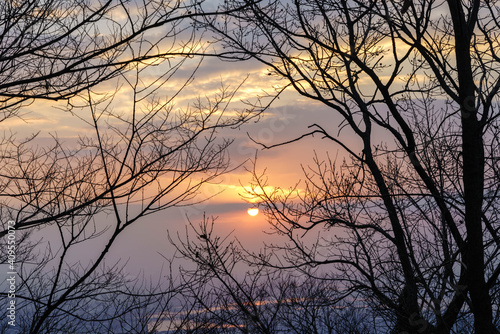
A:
(253, 211)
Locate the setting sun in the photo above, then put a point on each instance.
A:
(253, 211)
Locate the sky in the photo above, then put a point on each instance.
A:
(145, 244)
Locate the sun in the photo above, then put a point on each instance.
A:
(253, 211)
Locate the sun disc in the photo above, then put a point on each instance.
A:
(253, 211)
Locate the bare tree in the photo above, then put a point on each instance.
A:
(227, 295)
(411, 221)
(123, 167)
(57, 49)
(132, 165)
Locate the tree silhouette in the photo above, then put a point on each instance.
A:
(127, 162)
(57, 49)
(410, 222)
(87, 197)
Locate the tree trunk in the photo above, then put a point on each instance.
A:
(473, 170)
